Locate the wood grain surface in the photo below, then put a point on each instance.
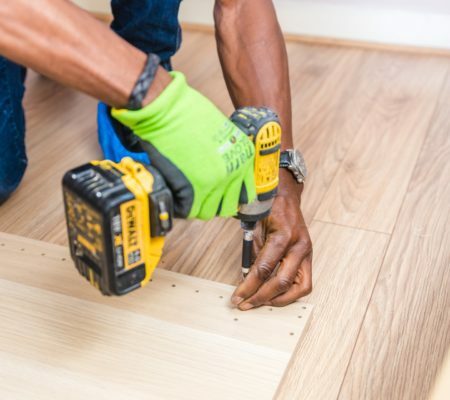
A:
(373, 127)
(69, 338)
(411, 301)
(346, 266)
(368, 190)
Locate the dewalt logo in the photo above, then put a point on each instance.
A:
(131, 226)
(131, 216)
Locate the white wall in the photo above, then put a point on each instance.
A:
(428, 6)
(377, 21)
(422, 23)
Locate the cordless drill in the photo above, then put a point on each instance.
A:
(118, 214)
(263, 127)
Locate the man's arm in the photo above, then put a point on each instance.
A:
(65, 43)
(254, 61)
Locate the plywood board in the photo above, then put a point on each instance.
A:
(178, 338)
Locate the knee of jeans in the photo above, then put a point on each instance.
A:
(10, 179)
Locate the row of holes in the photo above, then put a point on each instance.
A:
(173, 285)
(237, 319)
(42, 254)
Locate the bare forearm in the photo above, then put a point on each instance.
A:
(65, 43)
(253, 57)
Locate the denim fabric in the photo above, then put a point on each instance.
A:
(152, 26)
(13, 159)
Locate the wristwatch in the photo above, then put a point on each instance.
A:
(293, 160)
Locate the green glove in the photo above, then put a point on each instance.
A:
(205, 159)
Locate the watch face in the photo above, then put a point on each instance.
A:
(299, 163)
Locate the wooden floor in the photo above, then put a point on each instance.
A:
(375, 130)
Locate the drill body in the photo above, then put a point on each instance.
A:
(118, 214)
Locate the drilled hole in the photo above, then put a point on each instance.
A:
(22, 249)
(220, 297)
(304, 307)
(299, 316)
(2, 244)
(270, 309)
(174, 285)
(63, 259)
(197, 291)
(236, 319)
(292, 334)
(43, 254)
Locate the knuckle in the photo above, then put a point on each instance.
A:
(281, 239)
(283, 284)
(305, 245)
(256, 300)
(263, 271)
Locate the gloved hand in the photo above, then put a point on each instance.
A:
(206, 160)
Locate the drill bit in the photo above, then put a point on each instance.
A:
(247, 246)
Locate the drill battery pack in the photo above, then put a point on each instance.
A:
(117, 217)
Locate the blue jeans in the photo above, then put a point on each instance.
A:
(150, 25)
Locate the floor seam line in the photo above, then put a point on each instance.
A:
(352, 227)
(388, 244)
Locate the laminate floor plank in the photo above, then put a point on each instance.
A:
(61, 133)
(178, 326)
(406, 332)
(332, 94)
(346, 265)
(369, 187)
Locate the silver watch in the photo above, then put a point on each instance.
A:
(293, 160)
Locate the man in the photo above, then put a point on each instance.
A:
(186, 137)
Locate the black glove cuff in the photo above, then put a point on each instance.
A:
(144, 82)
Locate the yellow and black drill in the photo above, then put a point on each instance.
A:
(118, 214)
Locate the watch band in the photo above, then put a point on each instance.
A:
(293, 161)
(285, 159)
(144, 82)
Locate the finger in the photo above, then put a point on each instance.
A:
(262, 269)
(230, 202)
(248, 190)
(249, 184)
(258, 240)
(276, 285)
(210, 205)
(302, 285)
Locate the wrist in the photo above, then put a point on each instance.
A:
(161, 81)
(288, 185)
